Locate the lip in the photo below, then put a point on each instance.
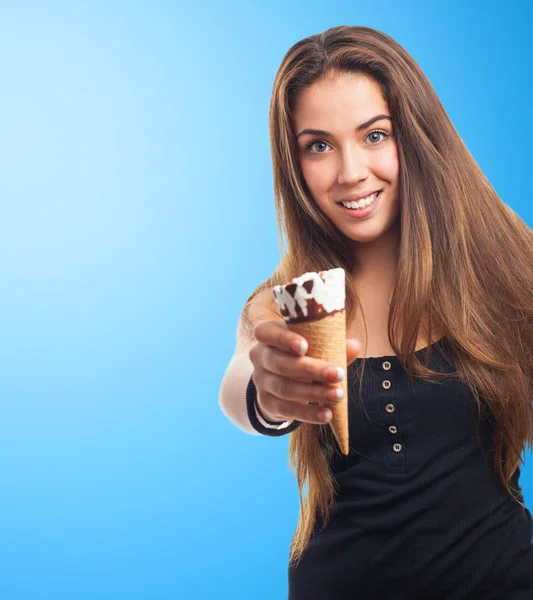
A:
(363, 212)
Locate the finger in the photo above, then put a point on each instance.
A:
(353, 349)
(300, 392)
(306, 413)
(302, 368)
(275, 333)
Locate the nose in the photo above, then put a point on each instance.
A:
(353, 167)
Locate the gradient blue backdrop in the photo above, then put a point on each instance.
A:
(137, 216)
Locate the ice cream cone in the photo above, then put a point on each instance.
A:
(313, 306)
(327, 340)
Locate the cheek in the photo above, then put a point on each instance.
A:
(387, 164)
(317, 176)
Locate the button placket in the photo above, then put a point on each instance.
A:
(386, 384)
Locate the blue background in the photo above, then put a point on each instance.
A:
(137, 216)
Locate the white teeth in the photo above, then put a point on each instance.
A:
(361, 203)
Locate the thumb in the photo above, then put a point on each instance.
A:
(353, 349)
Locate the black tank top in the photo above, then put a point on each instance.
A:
(420, 512)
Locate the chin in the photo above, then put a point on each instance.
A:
(366, 239)
(366, 232)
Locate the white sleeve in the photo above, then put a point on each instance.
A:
(265, 424)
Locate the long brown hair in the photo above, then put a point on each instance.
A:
(465, 258)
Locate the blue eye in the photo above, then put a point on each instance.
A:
(312, 143)
(378, 132)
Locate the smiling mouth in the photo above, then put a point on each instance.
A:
(361, 204)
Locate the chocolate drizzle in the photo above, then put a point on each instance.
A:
(300, 300)
(308, 285)
(314, 313)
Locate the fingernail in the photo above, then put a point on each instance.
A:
(325, 415)
(300, 347)
(337, 372)
(334, 396)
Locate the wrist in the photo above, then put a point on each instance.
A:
(269, 418)
(257, 421)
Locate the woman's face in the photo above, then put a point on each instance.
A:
(350, 153)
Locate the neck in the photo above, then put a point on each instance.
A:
(377, 261)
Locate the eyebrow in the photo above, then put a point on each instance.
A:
(358, 128)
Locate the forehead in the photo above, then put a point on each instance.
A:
(337, 102)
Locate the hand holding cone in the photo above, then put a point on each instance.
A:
(313, 306)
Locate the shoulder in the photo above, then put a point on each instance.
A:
(260, 306)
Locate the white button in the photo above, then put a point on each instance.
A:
(397, 447)
(386, 365)
(386, 384)
(390, 408)
(393, 429)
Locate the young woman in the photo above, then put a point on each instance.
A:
(370, 175)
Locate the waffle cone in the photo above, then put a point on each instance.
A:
(327, 340)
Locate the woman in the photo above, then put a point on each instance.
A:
(370, 175)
